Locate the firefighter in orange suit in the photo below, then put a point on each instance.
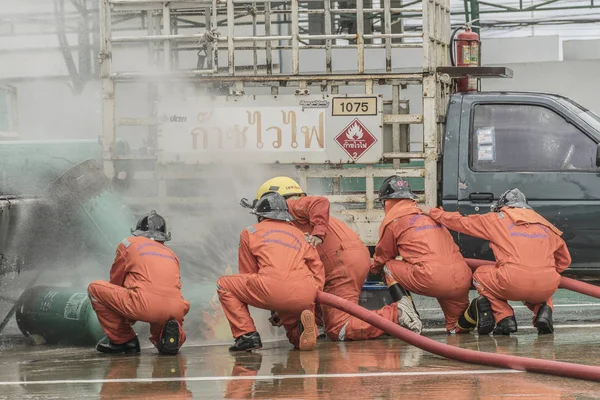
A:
(431, 262)
(144, 286)
(345, 258)
(530, 255)
(278, 271)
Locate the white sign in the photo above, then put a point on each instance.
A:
(265, 129)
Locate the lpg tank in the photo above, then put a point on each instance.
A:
(60, 315)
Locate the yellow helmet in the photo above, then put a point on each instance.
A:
(283, 185)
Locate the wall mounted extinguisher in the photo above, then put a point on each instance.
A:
(466, 46)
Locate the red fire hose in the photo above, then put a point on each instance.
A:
(558, 368)
(470, 356)
(565, 283)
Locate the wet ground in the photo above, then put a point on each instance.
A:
(380, 369)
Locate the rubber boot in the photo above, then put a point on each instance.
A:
(397, 292)
(507, 326)
(408, 317)
(468, 320)
(247, 342)
(130, 347)
(479, 314)
(169, 338)
(308, 331)
(543, 320)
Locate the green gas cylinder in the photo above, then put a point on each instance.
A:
(60, 315)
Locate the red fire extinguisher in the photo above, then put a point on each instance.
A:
(467, 55)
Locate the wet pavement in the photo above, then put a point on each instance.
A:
(380, 369)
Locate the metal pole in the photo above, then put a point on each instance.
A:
(230, 33)
(254, 32)
(360, 40)
(295, 39)
(396, 127)
(209, 44)
(328, 25)
(388, 41)
(429, 105)
(215, 46)
(167, 31)
(108, 90)
(268, 50)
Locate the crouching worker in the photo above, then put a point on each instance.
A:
(344, 256)
(144, 286)
(530, 255)
(278, 271)
(431, 262)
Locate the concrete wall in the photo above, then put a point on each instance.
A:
(577, 80)
(50, 110)
(581, 49)
(516, 50)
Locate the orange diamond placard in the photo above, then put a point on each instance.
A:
(355, 139)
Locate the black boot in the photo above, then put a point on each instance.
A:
(131, 347)
(543, 320)
(479, 314)
(507, 326)
(397, 292)
(169, 338)
(468, 320)
(247, 342)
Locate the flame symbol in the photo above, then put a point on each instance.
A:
(355, 132)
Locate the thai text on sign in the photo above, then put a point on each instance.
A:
(249, 128)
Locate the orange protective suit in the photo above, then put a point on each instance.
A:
(431, 262)
(278, 271)
(529, 253)
(144, 286)
(346, 260)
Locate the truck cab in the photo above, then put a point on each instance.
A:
(544, 144)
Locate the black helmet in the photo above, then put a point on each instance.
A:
(511, 198)
(152, 226)
(395, 187)
(272, 206)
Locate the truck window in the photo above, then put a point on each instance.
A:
(528, 138)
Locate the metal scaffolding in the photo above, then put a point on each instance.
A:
(220, 30)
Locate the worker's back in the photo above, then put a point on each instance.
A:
(520, 237)
(421, 239)
(151, 265)
(280, 250)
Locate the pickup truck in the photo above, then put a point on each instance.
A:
(546, 145)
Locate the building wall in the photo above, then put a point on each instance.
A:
(581, 50)
(522, 49)
(574, 79)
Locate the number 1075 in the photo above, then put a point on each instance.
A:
(357, 106)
